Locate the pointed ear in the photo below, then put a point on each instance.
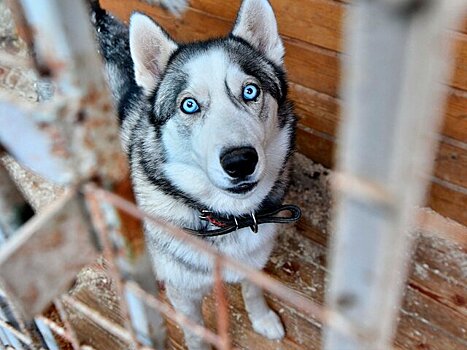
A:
(257, 25)
(150, 49)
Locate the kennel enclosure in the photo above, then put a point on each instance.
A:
(434, 308)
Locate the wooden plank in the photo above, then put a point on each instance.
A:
(414, 334)
(306, 64)
(315, 110)
(95, 288)
(440, 253)
(455, 118)
(448, 202)
(437, 272)
(315, 21)
(318, 112)
(439, 333)
(305, 27)
(313, 67)
(322, 112)
(315, 146)
(446, 199)
(299, 264)
(459, 79)
(451, 163)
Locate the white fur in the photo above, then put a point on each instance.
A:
(150, 50)
(198, 172)
(257, 24)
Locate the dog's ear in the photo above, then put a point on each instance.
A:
(150, 48)
(257, 25)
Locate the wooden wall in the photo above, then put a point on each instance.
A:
(312, 32)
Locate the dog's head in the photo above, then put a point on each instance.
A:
(220, 107)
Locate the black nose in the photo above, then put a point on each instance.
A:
(239, 162)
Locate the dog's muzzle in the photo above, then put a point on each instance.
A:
(240, 162)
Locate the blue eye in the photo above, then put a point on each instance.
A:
(189, 106)
(250, 92)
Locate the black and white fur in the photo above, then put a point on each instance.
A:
(175, 157)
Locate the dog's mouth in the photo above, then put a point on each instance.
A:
(242, 188)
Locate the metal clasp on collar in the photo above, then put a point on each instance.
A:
(204, 214)
(236, 223)
(254, 227)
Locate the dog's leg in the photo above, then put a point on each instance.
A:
(264, 320)
(188, 302)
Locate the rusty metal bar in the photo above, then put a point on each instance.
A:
(222, 306)
(93, 315)
(102, 230)
(259, 278)
(146, 324)
(61, 332)
(73, 339)
(168, 311)
(56, 328)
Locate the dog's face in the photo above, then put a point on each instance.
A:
(217, 106)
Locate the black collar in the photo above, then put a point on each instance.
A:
(227, 224)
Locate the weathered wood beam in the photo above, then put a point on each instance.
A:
(397, 58)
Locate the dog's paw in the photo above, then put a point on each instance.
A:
(269, 326)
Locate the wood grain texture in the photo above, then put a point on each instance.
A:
(455, 118)
(312, 33)
(425, 323)
(433, 316)
(448, 201)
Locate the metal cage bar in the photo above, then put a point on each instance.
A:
(397, 56)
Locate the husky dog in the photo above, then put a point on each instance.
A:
(206, 125)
